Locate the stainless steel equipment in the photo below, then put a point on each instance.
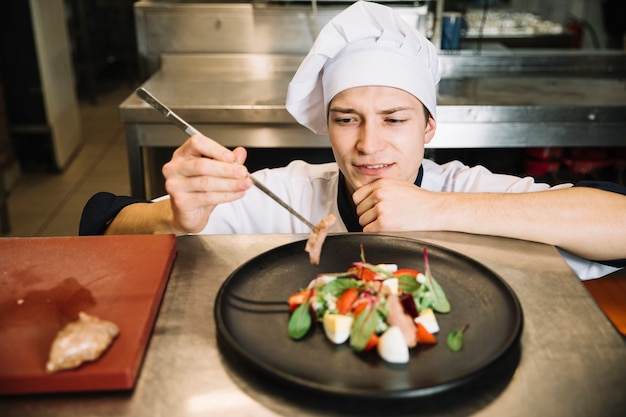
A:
(239, 100)
(262, 26)
(571, 361)
(225, 69)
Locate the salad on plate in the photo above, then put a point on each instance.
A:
(383, 307)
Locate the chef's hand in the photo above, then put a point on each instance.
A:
(202, 174)
(394, 205)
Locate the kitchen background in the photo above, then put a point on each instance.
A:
(66, 66)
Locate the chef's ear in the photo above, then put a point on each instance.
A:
(431, 127)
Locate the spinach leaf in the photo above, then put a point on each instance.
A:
(408, 283)
(455, 339)
(440, 301)
(363, 327)
(300, 321)
(339, 285)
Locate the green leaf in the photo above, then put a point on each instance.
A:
(408, 283)
(423, 300)
(440, 301)
(339, 285)
(363, 327)
(455, 339)
(300, 321)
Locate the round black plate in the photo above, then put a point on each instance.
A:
(251, 315)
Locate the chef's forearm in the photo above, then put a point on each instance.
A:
(586, 222)
(144, 218)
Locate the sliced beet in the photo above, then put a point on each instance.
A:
(408, 304)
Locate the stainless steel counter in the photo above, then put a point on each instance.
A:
(571, 361)
(238, 99)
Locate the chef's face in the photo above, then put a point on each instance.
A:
(378, 132)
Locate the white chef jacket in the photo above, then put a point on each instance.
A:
(311, 189)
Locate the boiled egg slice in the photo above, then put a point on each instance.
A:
(428, 320)
(392, 346)
(337, 327)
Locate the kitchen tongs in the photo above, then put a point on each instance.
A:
(190, 130)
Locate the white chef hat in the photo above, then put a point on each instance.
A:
(366, 44)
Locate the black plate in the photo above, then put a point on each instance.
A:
(251, 315)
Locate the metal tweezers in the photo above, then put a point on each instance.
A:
(190, 130)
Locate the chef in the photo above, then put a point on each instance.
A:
(369, 82)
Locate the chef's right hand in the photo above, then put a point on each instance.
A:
(202, 174)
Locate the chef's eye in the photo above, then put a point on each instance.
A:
(395, 121)
(344, 120)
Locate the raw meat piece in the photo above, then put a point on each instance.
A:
(317, 237)
(80, 341)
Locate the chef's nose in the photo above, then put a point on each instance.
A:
(370, 140)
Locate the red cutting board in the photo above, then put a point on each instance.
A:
(45, 282)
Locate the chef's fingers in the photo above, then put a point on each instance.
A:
(207, 184)
(240, 155)
(202, 146)
(192, 167)
(364, 198)
(192, 210)
(205, 176)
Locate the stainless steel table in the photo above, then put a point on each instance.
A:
(490, 101)
(570, 362)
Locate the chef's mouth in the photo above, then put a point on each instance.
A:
(375, 166)
(372, 168)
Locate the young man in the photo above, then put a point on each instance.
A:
(369, 81)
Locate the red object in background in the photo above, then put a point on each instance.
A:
(45, 282)
(585, 167)
(545, 154)
(582, 160)
(576, 28)
(587, 161)
(539, 168)
(542, 161)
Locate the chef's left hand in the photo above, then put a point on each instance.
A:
(394, 205)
